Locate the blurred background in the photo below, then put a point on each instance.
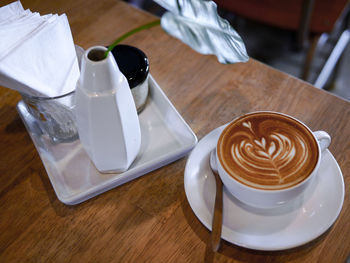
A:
(308, 39)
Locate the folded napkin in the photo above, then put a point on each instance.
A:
(37, 53)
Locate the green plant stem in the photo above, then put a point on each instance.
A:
(131, 32)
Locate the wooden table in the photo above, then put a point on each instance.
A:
(149, 219)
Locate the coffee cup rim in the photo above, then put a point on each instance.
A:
(307, 179)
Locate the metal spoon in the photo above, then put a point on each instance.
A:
(217, 217)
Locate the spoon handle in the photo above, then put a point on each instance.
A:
(217, 218)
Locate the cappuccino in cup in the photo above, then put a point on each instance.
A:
(268, 158)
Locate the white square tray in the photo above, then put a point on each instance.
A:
(166, 137)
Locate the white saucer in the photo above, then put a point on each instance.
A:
(296, 223)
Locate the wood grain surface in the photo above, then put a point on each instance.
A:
(149, 219)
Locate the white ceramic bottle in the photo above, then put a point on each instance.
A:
(107, 120)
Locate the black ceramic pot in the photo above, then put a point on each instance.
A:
(134, 64)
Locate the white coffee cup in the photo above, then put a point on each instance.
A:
(269, 198)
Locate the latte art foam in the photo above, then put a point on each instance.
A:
(268, 151)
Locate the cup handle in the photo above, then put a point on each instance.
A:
(323, 139)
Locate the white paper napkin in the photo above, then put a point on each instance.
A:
(37, 53)
(11, 10)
